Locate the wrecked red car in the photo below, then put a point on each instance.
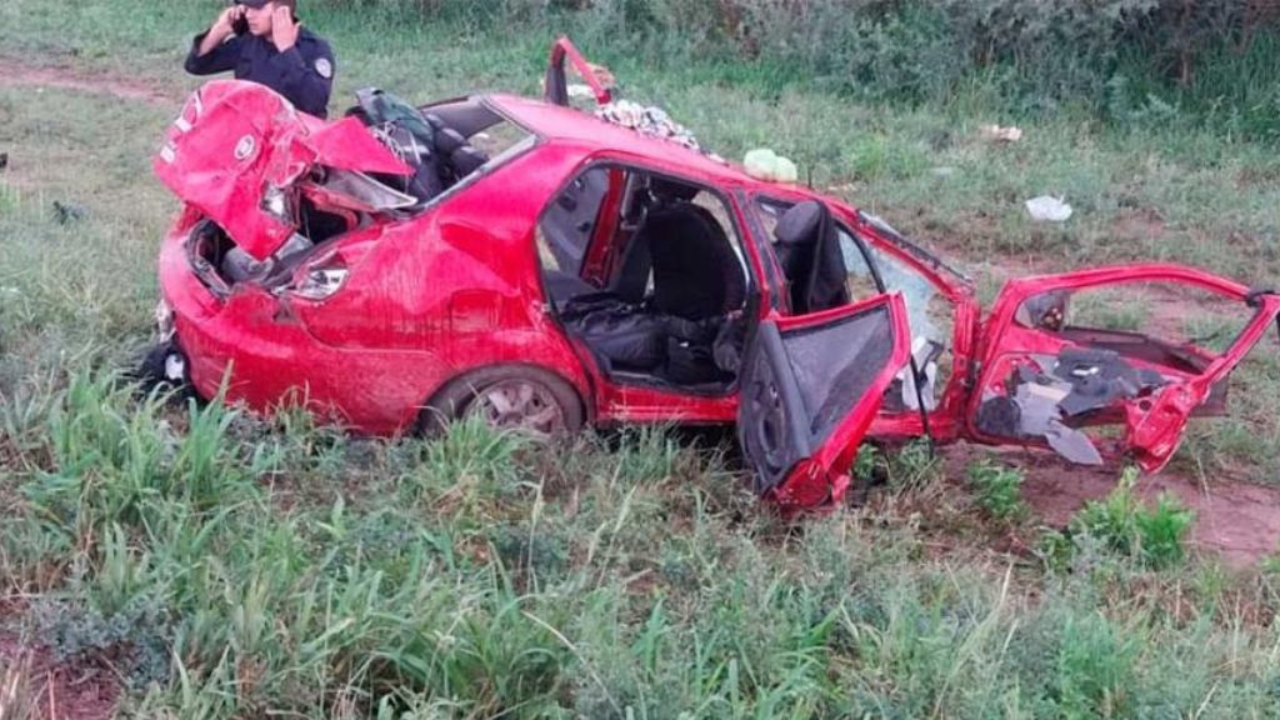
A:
(545, 266)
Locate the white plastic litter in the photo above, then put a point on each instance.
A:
(765, 164)
(1047, 208)
(997, 133)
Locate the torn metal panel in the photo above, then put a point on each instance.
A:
(237, 149)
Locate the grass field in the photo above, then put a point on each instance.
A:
(208, 564)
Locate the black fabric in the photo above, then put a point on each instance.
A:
(621, 335)
(632, 279)
(692, 364)
(696, 274)
(835, 363)
(808, 248)
(413, 136)
(463, 158)
(466, 160)
(449, 141)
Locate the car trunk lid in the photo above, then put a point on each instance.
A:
(237, 149)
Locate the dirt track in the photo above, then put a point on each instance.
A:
(62, 691)
(66, 78)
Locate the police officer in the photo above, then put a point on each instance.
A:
(263, 41)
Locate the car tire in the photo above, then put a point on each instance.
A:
(517, 397)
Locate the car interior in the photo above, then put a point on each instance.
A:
(646, 271)
(436, 140)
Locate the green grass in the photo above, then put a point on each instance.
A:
(228, 566)
(998, 489)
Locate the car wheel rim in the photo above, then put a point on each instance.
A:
(520, 405)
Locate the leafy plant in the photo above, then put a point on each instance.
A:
(1121, 524)
(998, 489)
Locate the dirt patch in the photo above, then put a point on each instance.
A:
(70, 78)
(1143, 224)
(1237, 521)
(60, 690)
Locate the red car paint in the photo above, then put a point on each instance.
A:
(456, 287)
(1153, 427)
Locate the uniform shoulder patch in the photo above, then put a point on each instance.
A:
(324, 67)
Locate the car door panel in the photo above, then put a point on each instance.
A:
(1045, 380)
(811, 387)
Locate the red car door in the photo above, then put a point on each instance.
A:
(1054, 370)
(810, 388)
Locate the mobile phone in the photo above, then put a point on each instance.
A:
(241, 25)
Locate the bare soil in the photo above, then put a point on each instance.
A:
(62, 691)
(78, 80)
(1240, 522)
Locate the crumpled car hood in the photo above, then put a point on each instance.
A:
(237, 142)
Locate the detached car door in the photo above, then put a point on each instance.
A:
(810, 388)
(1113, 360)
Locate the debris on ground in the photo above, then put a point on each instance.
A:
(1048, 209)
(765, 164)
(66, 213)
(997, 133)
(647, 120)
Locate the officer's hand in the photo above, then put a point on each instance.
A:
(284, 31)
(225, 24)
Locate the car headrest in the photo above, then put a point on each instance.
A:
(799, 224)
(449, 140)
(668, 190)
(466, 160)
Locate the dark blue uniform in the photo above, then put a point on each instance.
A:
(303, 74)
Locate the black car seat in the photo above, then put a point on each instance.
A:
(808, 248)
(696, 273)
(697, 280)
(460, 158)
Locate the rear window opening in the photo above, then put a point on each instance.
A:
(447, 144)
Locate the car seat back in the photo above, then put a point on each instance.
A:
(808, 248)
(696, 273)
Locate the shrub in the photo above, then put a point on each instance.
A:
(1121, 525)
(998, 489)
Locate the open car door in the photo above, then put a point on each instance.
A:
(1140, 348)
(556, 84)
(811, 386)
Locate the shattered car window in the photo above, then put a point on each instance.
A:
(930, 316)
